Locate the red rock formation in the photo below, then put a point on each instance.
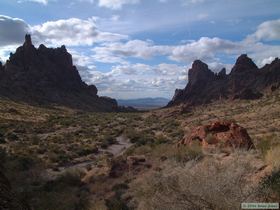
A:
(220, 133)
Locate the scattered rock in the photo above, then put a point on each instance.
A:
(135, 160)
(220, 133)
(163, 158)
(132, 164)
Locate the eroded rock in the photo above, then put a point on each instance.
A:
(220, 133)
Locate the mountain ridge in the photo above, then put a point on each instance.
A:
(144, 103)
(47, 76)
(245, 81)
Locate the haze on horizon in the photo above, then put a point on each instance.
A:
(141, 48)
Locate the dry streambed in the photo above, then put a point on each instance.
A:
(117, 149)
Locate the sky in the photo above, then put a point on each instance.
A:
(144, 48)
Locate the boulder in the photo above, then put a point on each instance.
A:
(135, 160)
(220, 133)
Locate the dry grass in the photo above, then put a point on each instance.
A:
(273, 157)
(207, 184)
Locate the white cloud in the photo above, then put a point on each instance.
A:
(12, 30)
(138, 80)
(188, 2)
(72, 32)
(116, 4)
(267, 31)
(88, 1)
(5, 52)
(45, 2)
(205, 49)
(132, 48)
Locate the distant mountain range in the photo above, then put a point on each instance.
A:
(144, 103)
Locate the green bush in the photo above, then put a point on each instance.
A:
(12, 137)
(87, 150)
(139, 138)
(272, 182)
(210, 139)
(107, 140)
(161, 140)
(2, 139)
(264, 145)
(186, 153)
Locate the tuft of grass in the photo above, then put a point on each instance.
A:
(184, 154)
(264, 145)
(272, 157)
(272, 182)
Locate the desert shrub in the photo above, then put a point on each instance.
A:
(87, 150)
(62, 158)
(264, 145)
(272, 183)
(177, 134)
(22, 163)
(161, 139)
(120, 187)
(12, 136)
(184, 154)
(210, 139)
(41, 150)
(2, 139)
(13, 111)
(272, 157)
(3, 157)
(208, 184)
(139, 137)
(116, 202)
(35, 140)
(67, 192)
(107, 140)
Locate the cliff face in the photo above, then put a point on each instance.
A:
(47, 76)
(245, 81)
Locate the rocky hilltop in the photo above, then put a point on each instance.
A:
(245, 81)
(48, 76)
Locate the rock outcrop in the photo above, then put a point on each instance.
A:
(224, 134)
(48, 76)
(245, 81)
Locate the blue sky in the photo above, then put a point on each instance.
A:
(144, 48)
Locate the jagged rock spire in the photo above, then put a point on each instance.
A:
(243, 63)
(199, 72)
(28, 41)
